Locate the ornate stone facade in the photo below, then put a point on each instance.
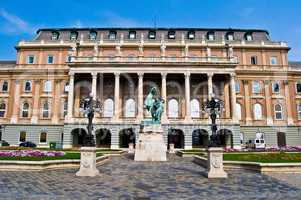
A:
(244, 68)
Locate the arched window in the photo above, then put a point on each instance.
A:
(194, 108)
(173, 108)
(248, 36)
(256, 87)
(73, 35)
(43, 137)
(238, 111)
(2, 109)
(230, 36)
(299, 111)
(237, 86)
(4, 86)
(45, 110)
(210, 36)
(55, 35)
(278, 111)
(27, 86)
(130, 108)
(108, 108)
(93, 35)
(47, 86)
(257, 110)
(25, 110)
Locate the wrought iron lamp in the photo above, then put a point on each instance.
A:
(214, 107)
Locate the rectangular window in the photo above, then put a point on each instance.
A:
(276, 87)
(43, 137)
(22, 137)
(65, 109)
(273, 61)
(237, 86)
(253, 60)
(298, 87)
(256, 87)
(30, 59)
(299, 111)
(50, 59)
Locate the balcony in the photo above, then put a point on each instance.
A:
(141, 59)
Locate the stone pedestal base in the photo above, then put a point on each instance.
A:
(215, 163)
(87, 162)
(150, 145)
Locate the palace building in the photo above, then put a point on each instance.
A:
(40, 92)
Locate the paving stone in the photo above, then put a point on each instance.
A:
(122, 178)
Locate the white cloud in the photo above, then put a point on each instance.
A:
(13, 24)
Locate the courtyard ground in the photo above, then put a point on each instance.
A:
(122, 178)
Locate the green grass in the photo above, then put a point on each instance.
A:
(67, 156)
(264, 157)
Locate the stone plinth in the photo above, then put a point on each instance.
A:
(131, 148)
(171, 148)
(215, 163)
(150, 145)
(87, 162)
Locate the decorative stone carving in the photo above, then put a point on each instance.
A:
(88, 162)
(151, 146)
(215, 163)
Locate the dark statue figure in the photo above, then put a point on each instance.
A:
(88, 106)
(213, 107)
(154, 105)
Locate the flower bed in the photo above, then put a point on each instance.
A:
(31, 153)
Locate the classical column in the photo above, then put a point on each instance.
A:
(116, 95)
(70, 96)
(247, 102)
(226, 99)
(15, 114)
(268, 102)
(164, 95)
(233, 99)
(210, 86)
(94, 84)
(187, 95)
(56, 108)
(290, 120)
(36, 98)
(140, 96)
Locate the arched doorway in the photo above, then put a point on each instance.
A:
(78, 136)
(226, 137)
(281, 139)
(200, 138)
(126, 136)
(176, 137)
(103, 138)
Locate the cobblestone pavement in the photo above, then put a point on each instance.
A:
(122, 178)
(293, 179)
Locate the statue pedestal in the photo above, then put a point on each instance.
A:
(150, 145)
(87, 162)
(215, 163)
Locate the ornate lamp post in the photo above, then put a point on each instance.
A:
(88, 106)
(214, 107)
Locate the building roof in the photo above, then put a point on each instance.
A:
(295, 64)
(152, 28)
(7, 63)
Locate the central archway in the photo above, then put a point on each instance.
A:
(103, 138)
(200, 138)
(78, 136)
(226, 137)
(126, 136)
(176, 137)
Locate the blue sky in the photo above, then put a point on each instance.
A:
(20, 19)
